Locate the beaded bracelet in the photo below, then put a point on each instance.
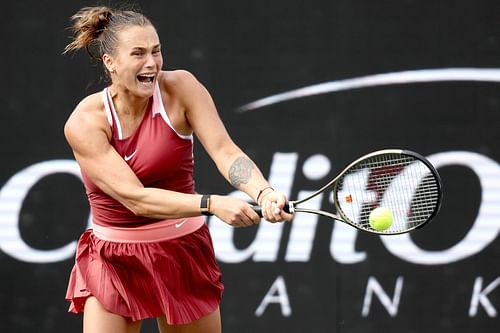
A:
(262, 191)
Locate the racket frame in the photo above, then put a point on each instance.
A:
(333, 184)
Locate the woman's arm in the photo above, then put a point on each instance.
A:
(231, 161)
(87, 131)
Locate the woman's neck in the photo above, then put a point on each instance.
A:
(127, 103)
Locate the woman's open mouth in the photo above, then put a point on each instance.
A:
(146, 78)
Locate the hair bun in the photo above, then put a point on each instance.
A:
(101, 18)
(88, 24)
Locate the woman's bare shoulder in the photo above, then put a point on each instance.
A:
(177, 78)
(88, 115)
(91, 103)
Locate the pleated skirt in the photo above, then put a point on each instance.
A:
(177, 278)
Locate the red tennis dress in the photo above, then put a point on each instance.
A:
(139, 267)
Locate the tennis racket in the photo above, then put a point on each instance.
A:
(402, 181)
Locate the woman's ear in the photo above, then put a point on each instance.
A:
(108, 62)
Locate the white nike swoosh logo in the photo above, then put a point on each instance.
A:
(178, 225)
(129, 157)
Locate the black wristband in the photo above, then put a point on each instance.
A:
(205, 205)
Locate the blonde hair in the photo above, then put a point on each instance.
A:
(96, 29)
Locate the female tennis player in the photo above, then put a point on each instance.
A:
(149, 253)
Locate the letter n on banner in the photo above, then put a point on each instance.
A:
(373, 287)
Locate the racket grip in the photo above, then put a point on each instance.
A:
(258, 209)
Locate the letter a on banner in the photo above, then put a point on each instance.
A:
(276, 294)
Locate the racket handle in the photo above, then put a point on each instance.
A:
(258, 209)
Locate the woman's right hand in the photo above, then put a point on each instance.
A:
(233, 211)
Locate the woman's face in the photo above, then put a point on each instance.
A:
(137, 60)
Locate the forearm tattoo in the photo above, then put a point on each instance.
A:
(240, 171)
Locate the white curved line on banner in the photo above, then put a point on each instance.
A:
(414, 76)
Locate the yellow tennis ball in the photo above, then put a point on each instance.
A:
(380, 218)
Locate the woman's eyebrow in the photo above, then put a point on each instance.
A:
(140, 48)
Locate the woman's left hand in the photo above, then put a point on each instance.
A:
(273, 204)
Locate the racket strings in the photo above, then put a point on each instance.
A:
(424, 201)
(401, 183)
